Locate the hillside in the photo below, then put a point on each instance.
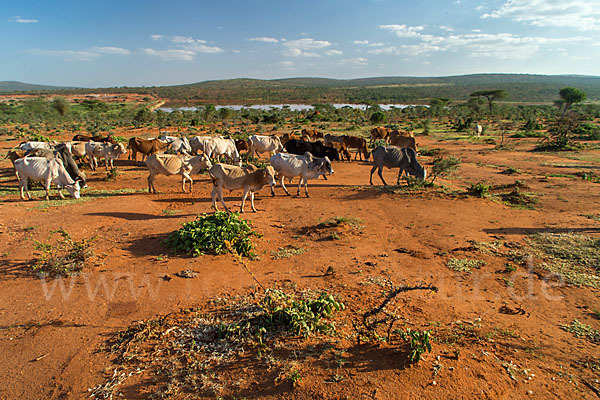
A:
(14, 86)
(521, 88)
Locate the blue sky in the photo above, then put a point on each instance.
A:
(145, 43)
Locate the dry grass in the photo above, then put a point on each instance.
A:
(464, 264)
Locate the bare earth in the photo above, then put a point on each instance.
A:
(52, 331)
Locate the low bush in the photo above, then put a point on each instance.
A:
(218, 233)
(480, 189)
(65, 257)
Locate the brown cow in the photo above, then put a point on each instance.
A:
(286, 137)
(380, 133)
(311, 134)
(403, 142)
(95, 138)
(353, 142)
(394, 134)
(342, 150)
(241, 144)
(146, 147)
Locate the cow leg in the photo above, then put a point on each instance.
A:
(47, 183)
(188, 177)
(399, 175)
(220, 191)
(306, 186)
(60, 194)
(23, 185)
(371, 177)
(213, 196)
(379, 171)
(283, 185)
(151, 183)
(252, 201)
(246, 190)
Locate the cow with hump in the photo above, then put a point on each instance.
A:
(305, 166)
(258, 144)
(173, 164)
(146, 147)
(393, 157)
(47, 171)
(232, 177)
(109, 152)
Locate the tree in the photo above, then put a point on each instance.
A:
(568, 97)
(60, 105)
(377, 117)
(490, 95)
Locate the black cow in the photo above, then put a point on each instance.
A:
(317, 149)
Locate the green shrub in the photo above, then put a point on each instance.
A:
(219, 233)
(479, 189)
(418, 341)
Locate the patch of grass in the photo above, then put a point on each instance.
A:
(480, 189)
(574, 257)
(64, 257)
(219, 233)
(427, 152)
(519, 199)
(530, 134)
(582, 330)
(511, 171)
(354, 223)
(287, 252)
(464, 264)
(111, 175)
(170, 212)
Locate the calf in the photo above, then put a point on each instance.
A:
(392, 157)
(379, 133)
(353, 142)
(146, 147)
(171, 164)
(232, 177)
(403, 142)
(305, 166)
(47, 171)
(104, 150)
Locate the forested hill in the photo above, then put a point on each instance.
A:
(521, 88)
(407, 90)
(14, 86)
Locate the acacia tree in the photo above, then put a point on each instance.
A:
(490, 95)
(570, 96)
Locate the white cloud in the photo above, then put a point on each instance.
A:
(446, 28)
(303, 47)
(80, 55)
(264, 39)
(286, 64)
(172, 54)
(156, 37)
(334, 52)
(191, 45)
(68, 55)
(357, 62)
(24, 20)
(582, 15)
(367, 43)
(502, 45)
(236, 51)
(110, 50)
(186, 40)
(403, 31)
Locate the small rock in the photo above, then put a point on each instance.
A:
(434, 383)
(186, 273)
(530, 392)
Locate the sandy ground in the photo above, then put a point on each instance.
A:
(52, 330)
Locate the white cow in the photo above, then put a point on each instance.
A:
(478, 129)
(219, 146)
(28, 146)
(232, 177)
(305, 166)
(178, 145)
(261, 144)
(104, 150)
(47, 171)
(172, 164)
(197, 143)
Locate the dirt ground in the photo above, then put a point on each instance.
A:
(52, 331)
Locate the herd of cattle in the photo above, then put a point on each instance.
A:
(307, 156)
